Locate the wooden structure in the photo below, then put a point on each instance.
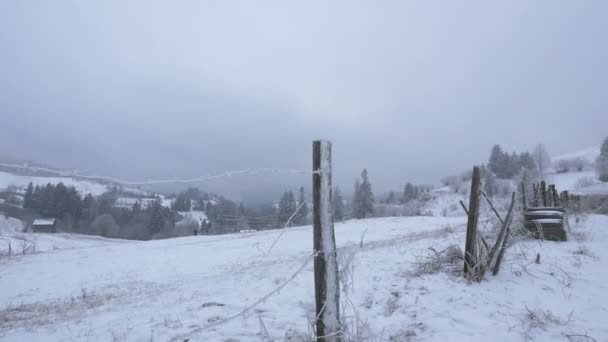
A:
(545, 223)
(545, 219)
(44, 225)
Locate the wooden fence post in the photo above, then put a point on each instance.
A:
(470, 253)
(523, 193)
(535, 189)
(555, 196)
(327, 287)
(543, 191)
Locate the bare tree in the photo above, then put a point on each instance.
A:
(541, 158)
(601, 164)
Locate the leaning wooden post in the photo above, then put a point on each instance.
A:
(327, 287)
(470, 253)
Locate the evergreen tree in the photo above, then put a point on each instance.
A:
(87, 206)
(157, 219)
(181, 202)
(496, 163)
(601, 164)
(526, 161)
(357, 206)
(28, 198)
(338, 204)
(409, 192)
(36, 198)
(512, 165)
(136, 207)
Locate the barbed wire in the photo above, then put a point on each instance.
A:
(226, 174)
(253, 305)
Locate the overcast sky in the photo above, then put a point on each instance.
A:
(412, 90)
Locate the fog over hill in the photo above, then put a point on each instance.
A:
(410, 91)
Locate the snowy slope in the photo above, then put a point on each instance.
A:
(578, 182)
(83, 187)
(174, 289)
(11, 230)
(443, 202)
(596, 189)
(571, 180)
(10, 225)
(589, 155)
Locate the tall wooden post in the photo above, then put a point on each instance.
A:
(543, 191)
(523, 191)
(555, 196)
(327, 287)
(535, 189)
(470, 254)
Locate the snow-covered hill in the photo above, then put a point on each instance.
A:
(83, 187)
(12, 231)
(189, 288)
(10, 225)
(589, 155)
(584, 182)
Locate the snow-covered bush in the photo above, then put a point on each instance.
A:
(447, 260)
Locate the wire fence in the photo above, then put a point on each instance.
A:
(118, 181)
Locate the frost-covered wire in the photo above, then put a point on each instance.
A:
(75, 174)
(250, 307)
(285, 228)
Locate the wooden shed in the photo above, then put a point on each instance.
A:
(46, 225)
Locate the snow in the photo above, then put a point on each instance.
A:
(83, 187)
(443, 202)
(571, 180)
(580, 182)
(194, 215)
(10, 225)
(11, 230)
(590, 155)
(164, 290)
(128, 202)
(43, 222)
(597, 189)
(547, 220)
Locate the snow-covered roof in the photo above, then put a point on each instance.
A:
(43, 222)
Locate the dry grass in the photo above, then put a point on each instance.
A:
(39, 313)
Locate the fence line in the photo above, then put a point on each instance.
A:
(253, 305)
(226, 174)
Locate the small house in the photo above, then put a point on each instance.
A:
(44, 226)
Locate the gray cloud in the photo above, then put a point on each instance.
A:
(412, 91)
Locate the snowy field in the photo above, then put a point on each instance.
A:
(113, 290)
